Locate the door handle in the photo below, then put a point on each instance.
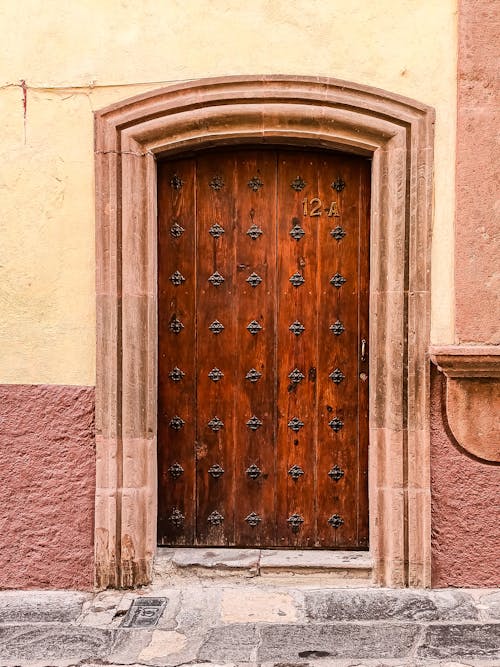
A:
(363, 350)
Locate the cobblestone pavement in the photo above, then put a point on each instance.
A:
(239, 623)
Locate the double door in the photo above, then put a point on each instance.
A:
(263, 359)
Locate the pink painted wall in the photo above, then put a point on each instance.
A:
(477, 279)
(465, 491)
(47, 483)
(465, 509)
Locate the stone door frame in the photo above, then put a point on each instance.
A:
(274, 110)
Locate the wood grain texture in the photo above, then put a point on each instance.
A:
(256, 399)
(177, 324)
(254, 190)
(296, 399)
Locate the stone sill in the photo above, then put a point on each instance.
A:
(472, 397)
(467, 361)
(262, 562)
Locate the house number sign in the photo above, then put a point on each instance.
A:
(314, 208)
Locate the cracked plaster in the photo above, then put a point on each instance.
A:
(47, 272)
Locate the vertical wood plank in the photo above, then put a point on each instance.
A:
(217, 305)
(296, 354)
(176, 363)
(363, 368)
(255, 206)
(338, 355)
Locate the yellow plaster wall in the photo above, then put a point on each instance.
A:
(76, 57)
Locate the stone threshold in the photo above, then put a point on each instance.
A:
(341, 565)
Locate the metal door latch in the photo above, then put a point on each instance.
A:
(363, 350)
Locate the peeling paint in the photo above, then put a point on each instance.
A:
(25, 97)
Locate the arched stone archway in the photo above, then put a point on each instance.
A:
(300, 111)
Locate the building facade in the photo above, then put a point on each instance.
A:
(126, 128)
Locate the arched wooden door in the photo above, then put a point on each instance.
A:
(263, 369)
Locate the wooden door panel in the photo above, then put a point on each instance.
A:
(215, 343)
(337, 410)
(255, 408)
(176, 344)
(297, 354)
(274, 304)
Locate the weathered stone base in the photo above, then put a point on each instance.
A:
(341, 568)
(245, 624)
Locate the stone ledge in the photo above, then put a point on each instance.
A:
(303, 642)
(43, 643)
(464, 641)
(390, 605)
(277, 560)
(41, 606)
(239, 559)
(467, 361)
(342, 565)
(472, 396)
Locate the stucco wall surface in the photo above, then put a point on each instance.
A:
(465, 508)
(47, 487)
(477, 271)
(72, 58)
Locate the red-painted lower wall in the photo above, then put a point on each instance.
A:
(465, 508)
(47, 484)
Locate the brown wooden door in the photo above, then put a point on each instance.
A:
(263, 373)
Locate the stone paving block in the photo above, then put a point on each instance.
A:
(163, 643)
(491, 603)
(257, 606)
(379, 605)
(109, 599)
(461, 641)
(454, 663)
(128, 643)
(154, 646)
(168, 619)
(43, 642)
(41, 606)
(399, 662)
(340, 640)
(454, 605)
(198, 610)
(100, 619)
(319, 662)
(110, 664)
(230, 643)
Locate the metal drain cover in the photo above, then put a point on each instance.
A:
(144, 613)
